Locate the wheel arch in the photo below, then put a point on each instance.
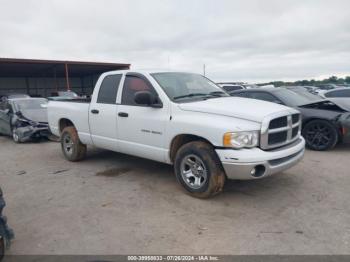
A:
(63, 123)
(331, 121)
(182, 139)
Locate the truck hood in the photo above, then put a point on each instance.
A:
(243, 108)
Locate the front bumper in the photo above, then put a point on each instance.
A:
(28, 132)
(239, 164)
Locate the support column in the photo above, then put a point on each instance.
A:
(55, 78)
(67, 77)
(27, 86)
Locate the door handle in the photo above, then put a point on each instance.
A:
(95, 111)
(123, 114)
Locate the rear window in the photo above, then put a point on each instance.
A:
(108, 90)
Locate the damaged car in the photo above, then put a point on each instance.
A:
(324, 123)
(25, 119)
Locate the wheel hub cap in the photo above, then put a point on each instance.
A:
(68, 144)
(193, 171)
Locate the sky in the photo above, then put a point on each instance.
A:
(237, 40)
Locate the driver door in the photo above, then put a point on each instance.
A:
(141, 128)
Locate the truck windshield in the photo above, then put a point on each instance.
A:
(186, 87)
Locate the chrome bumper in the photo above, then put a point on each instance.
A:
(255, 163)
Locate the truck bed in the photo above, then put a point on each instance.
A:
(77, 111)
(78, 100)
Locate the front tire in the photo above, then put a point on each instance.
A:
(72, 148)
(199, 170)
(320, 135)
(15, 136)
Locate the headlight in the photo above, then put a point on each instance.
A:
(241, 139)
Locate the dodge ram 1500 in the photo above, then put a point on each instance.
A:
(182, 119)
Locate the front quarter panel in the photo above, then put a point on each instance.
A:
(208, 126)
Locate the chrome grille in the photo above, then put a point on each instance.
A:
(280, 130)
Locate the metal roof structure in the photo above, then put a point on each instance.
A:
(12, 67)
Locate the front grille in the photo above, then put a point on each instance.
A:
(277, 138)
(295, 132)
(281, 131)
(295, 118)
(278, 122)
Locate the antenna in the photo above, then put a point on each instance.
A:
(204, 69)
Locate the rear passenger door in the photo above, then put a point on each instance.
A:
(103, 113)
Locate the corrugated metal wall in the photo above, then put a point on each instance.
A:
(44, 86)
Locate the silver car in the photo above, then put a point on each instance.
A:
(24, 118)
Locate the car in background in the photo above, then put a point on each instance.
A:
(11, 96)
(304, 92)
(248, 86)
(323, 121)
(339, 92)
(310, 89)
(341, 102)
(24, 119)
(6, 233)
(231, 87)
(64, 95)
(325, 87)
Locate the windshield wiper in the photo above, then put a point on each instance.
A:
(211, 94)
(190, 95)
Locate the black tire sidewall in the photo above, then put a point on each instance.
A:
(334, 135)
(215, 173)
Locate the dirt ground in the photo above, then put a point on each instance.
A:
(117, 204)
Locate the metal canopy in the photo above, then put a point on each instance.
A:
(10, 67)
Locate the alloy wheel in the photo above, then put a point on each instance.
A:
(193, 171)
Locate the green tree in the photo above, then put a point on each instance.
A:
(332, 80)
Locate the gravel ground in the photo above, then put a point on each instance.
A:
(117, 204)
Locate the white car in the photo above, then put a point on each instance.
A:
(185, 120)
(231, 87)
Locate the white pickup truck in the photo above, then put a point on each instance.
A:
(182, 119)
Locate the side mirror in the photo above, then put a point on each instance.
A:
(7, 111)
(147, 98)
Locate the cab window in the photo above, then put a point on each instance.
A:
(108, 89)
(132, 85)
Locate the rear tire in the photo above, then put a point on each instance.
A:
(72, 148)
(320, 135)
(199, 170)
